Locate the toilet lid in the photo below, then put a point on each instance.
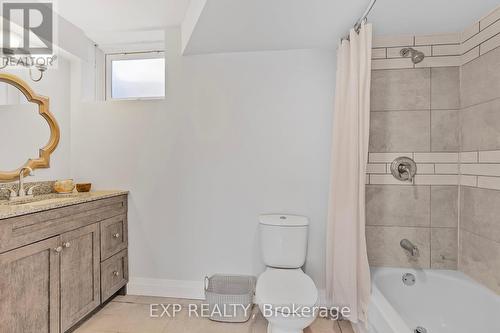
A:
(284, 287)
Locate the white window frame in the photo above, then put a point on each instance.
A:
(110, 57)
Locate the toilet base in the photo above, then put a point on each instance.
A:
(274, 329)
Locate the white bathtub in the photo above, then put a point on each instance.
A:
(441, 301)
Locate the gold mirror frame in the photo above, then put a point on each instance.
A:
(43, 160)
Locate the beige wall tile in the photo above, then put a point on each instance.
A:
(480, 210)
(488, 182)
(490, 18)
(446, 50)
(482, 36)
(384, 205)
(470, 55)
(470, 157)
(386, 157)
(492, 156)
(480, 259)
(386, 180)
(401, 89)
(394, 52)
(444, 206)
(436, 180)
(378, 64)
(470, 31)
(468, 180)
(444, 61)
(379, 53)
(384, 249)
(489, 169)
(481, 79)
(480, 126)
(447, 169)
(376, 168)
(445, 130)
(391, 41)
(436, 157)
(445, 88)
(425, 168)
(399, 131)
(434, 39)
(444, 248)
(490, 44)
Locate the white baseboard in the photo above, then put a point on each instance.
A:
(166, 288)
(182, 289)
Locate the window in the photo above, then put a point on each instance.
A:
(135, 76)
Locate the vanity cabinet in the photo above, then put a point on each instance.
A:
(59, 265)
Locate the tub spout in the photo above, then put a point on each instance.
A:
(410, 247)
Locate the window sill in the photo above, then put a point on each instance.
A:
(143, 99)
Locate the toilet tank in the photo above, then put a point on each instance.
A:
(283, 240)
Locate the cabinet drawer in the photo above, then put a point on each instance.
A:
(114, 274)
(113, 236)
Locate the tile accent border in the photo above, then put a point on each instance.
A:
(481, 169)
(473, 168)
(441, 50)
(432, 168)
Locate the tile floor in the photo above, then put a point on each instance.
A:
(131, 314)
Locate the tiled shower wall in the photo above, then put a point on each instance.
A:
(444, 113)
(480, 203)
(414, 112)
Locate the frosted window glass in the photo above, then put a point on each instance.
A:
(138, 78)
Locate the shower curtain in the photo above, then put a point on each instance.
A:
(347, 269)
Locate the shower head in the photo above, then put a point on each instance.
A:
(416, 56)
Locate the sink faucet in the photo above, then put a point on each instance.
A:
(410, 247)
(22, 192)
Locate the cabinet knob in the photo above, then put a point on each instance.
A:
(67, 244)
(116, 235)
(58, 249)
(116, 273)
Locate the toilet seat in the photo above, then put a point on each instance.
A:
(287, 288)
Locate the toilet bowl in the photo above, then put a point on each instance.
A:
(286, 296)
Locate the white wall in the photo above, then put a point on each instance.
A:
(55, 85)
(238, 135)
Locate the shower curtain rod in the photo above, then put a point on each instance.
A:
(358, 23)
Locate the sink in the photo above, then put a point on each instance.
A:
(40, 200)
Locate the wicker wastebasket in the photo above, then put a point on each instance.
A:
(230, 297)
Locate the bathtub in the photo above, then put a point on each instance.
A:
(440, 301)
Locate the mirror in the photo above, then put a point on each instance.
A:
(29, 132)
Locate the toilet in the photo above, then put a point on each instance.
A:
(286, 296)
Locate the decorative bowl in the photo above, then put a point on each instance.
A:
(64, 186)
(85, 187)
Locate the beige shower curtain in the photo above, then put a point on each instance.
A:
(348, 272)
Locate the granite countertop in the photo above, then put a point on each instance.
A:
(44, 202)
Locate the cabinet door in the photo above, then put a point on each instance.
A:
(80, 274)
(29, 288)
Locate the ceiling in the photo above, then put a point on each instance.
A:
(245, 25)
(103, 21)
(251, 25)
